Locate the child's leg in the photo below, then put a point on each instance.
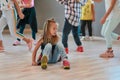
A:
(83, 24)
(66, 30)
(59, 52)
(76, 39)
(3, 23)
(12, 27)
(89, 23)
(107, 32)
(47, 50)
(22, 27)
(46, 55)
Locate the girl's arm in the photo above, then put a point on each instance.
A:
(35, 51)
(21, 15)
(108, 11)
(93, 11)
(29, 4)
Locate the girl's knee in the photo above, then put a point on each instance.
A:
(60, 45)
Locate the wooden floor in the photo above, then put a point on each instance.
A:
(15, 63)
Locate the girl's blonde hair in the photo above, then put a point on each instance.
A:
(46, 32)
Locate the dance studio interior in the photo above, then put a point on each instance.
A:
(16, 61)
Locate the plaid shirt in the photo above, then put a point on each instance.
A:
(72, 10)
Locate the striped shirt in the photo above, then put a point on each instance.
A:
(72, 10)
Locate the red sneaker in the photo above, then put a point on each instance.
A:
(66, 64)
(66, 50)
(79, 49)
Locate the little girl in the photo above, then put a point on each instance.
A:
(30, 18)
(110, 20)
(87, 17)
(52, 49)
(9, 17)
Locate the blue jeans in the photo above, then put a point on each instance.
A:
(57, 53)
(66, 30)
(108, 28)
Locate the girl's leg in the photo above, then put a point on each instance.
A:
(21, 30)
(22, 27)
(34, 37)
(3, 23)
(109, 35)
(83, 24)
(76, 39)
(46, 55)
(59, 52)
(89, 23)
(66, 30)
(11, 18)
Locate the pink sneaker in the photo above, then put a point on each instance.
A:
(66, 64)
(16, 43)
(79, 49)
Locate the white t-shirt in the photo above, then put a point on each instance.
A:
(116, 10)
(6, 4)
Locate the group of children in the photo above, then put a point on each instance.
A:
(52, 50)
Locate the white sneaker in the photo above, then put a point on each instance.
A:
(83, 38)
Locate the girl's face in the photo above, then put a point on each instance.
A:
(53, 29)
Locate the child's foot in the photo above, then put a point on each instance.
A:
(79, 49)
(29, 44)
(66, 64)
(44, 62)
(1, 49)
(107, 54)
(66, 50)
(16, 43)
(83, 38)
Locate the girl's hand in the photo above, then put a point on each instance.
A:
(102, 21)
(34, 64)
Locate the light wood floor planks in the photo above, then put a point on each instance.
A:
(15, 63)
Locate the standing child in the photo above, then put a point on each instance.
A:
(9, 17)
(52, 49)
(30, 18)
(72, 19)
(87, 17)
(110, 20)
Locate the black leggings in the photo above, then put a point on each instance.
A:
(89, 25)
